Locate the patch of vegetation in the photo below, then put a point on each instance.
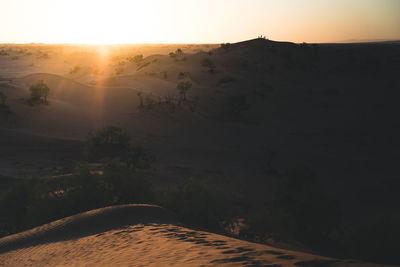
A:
(169, 102)
(14, 57)
(178, 55)
(113, 142)
(183, 86)
(31, 202)
(3, 53)
(137, 59)
(42, 55)
(122, 174)
(39, 92)
(119, 70)
(183, 75)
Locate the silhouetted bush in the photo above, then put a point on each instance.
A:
(177, 55)
(136, 59)
(108, 142)
(39, 92)
(225, 46)
(183, 75)
(32, 202)
(3, 53)
(113, 142)
(183, 87)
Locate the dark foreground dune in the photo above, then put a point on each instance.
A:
(141, 235)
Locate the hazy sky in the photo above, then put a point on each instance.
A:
(194, 21)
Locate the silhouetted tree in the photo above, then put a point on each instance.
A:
(183, 87)
(39, 92)
(179, 52)
(208, 63)
(110, 142)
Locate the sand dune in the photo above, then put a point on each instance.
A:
(141, 235)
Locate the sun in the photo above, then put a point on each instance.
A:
(102, 22)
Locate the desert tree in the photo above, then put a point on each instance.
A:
(39, 92)
(179, 52)
(108, 142)
(183, 87)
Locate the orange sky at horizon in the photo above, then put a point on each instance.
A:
(194, 21)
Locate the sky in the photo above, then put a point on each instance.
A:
(197, 21)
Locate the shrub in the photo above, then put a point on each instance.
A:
(178, 54)
(113, 142)
(32, 202)
(3, 53)
(119, 70)
(136, 59)
(183, 75)
(109, 142)
(39, 92)
(183, 87)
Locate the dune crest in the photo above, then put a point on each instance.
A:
(87, 223)
(141, 235)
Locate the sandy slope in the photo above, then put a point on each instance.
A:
(141, 235)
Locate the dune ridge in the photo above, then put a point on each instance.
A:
(142, 235)
(87, 223)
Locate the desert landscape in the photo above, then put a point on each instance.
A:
(265, 124)
(155, 133)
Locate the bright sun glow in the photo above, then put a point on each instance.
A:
(196, 21)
